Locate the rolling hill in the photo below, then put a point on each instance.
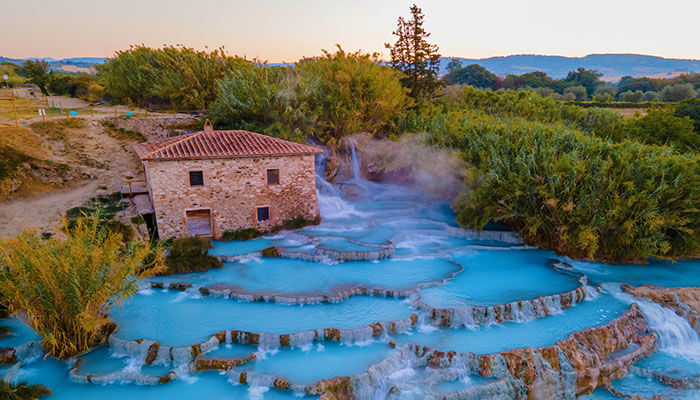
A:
(613, 66)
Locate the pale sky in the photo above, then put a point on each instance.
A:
(286, 30)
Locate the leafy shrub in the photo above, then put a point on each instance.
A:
(677, 92)
(138, 220)
(271, 252)
(177, 76)
(661, 125)
(190, 254)
(690, 108)
(296, 223)
(581, 196)
(65, 286)
(22, 391)
(241, 234)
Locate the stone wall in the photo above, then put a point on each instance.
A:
(233, 189)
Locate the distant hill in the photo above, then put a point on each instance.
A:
(612, 66)
(76, 64)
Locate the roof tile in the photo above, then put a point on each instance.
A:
(220, 144)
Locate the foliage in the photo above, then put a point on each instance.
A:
(190, 254)
(690, 108)
(65, 287)
(632, 96)
(579, 195)
(677, 92)
(38, 73)
(348, 93)
(579, 92)
(473, 75)
(241, 234)
(271, 252)
(522, 104)
(589, 79)
(414, 56)
(327, 97)
(22, 391)
(296, 223)
(261, 99)
(454, 64)
(661, 125)
(179, 77)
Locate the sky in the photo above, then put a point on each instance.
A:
(287, 30)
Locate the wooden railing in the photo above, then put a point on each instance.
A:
(133, 186)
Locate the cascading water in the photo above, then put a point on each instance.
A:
(330, 202)
(355, 163)
(310, 319)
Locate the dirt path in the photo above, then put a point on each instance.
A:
(106, 159)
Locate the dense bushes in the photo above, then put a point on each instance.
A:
(661, 125)
(241, 234)
(66, 286)
(190, 255)
(327, 97)
(177, 77)
(581, 196)
(22, 391)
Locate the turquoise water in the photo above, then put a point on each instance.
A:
(429, 247)
(496, 277)
(535, 333)
(181, 319)
(273, 274)
(320, 361)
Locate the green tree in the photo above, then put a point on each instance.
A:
(38, 73)
(661, 125)
(678, 92)
(414, 56)
(690, 108)
(472, 75)
(632, 96)
(454, 64)
(589, 79)
(578, 93)
(66, 286)
(349, 93)
(536, 79)
(260, 98)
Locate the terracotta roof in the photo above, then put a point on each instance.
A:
(220, 144)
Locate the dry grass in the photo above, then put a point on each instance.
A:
(629, 112)
(24, 140)
(26, 108)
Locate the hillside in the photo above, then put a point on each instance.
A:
(613, 66)
(76, 64)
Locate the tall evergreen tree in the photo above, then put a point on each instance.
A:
(414, 56)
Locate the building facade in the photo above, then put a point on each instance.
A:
(209, 182)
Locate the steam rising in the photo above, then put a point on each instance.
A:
(411, 160)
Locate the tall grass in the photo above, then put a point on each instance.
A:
(64, 287)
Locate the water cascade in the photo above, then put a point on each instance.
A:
(387, 298)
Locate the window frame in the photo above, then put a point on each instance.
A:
(201, 173)
(268, 176)
(257, 213)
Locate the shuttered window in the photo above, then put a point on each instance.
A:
(196, 178)
(273, 176)
(263, 213)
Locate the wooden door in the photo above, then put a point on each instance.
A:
(199, 222)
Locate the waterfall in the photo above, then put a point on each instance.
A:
(676, 337)
(355, 163)
(330, 203)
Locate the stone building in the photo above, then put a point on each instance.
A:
(208, 182)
